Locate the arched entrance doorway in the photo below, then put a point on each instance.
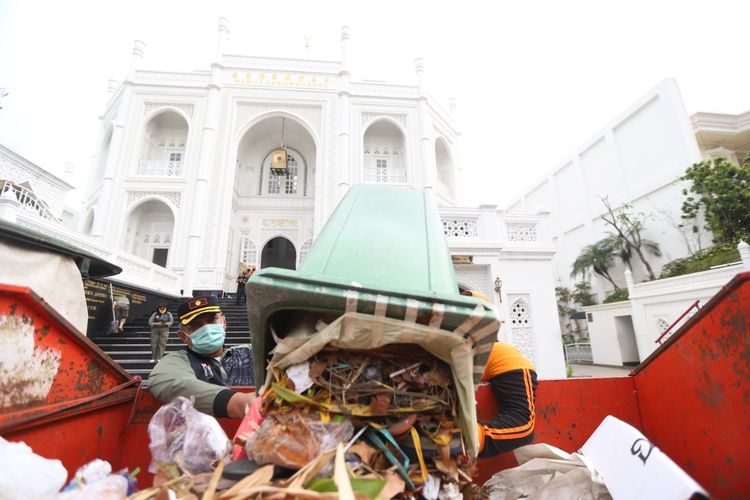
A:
(148, 232)
(279, 252)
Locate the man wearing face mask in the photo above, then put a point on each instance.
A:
(196, 370)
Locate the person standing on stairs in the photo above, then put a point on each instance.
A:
(122, 308)
(160, 321)
(241, 280)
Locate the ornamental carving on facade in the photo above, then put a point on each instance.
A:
(397, 117)
(153, 106)
(280, 223)
(521, 328)
(161, 76)
(456, 227)
(173, 196)
(521, 232)
(311, 115)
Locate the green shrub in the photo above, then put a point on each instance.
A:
(701, 261)
(618, 296)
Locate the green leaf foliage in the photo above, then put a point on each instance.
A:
(582, 294)
(701, 261)
(616, 297)
(722, 190)
(371, 488)
(597, 257)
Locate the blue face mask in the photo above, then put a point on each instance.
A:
(208, 339)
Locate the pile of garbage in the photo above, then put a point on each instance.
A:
(343, 424)
(28, 475)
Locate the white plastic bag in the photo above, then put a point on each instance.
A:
(179, 429)
(26, 474)
(205, 443)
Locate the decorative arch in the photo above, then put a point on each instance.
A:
(388, 119)
(384, 152)
(278, 251)
(521, 325)
(255, 143)
(244, 129)
(152, 110)
(164, 145)
(137, 198)
(149, 229)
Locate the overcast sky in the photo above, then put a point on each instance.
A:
(533, 79)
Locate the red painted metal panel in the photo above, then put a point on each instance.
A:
(694, 393)
(567, 413)
(81, 437)
(47, 365)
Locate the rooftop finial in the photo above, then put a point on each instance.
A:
(138, 48)
(419, 69)
(225, 34)
(345, 48)
(112, 86)
(224, 26)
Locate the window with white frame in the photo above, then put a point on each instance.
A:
(248, 251)
(381, 170)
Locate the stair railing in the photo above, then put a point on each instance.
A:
(669, 328)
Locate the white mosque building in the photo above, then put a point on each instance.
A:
(183, 194)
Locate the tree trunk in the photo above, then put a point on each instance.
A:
(604, 274)
(650, 271)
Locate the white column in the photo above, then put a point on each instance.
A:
(638, 318)
(629, 282)
(744, 250)
(344, 127)
(426, 157)
(104, 227)
(196, 210)
(8, 205)
(458, 176)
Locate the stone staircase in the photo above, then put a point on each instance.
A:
(132, 348)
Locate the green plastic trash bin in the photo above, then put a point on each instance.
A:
(382, 250)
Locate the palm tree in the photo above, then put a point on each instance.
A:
(597, 257)
(623, 249)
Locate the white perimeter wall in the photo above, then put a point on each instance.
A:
(657, 304)
(653, 306)
(638, 159)
(603, 333)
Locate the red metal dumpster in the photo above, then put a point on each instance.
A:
(691, 397)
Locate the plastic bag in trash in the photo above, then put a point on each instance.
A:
(205, 443)
(26, 474)
(111, 487)
(292, 440)
(178, 428)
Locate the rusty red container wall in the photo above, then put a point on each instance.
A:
(567, 413)
(694, 393)
(58, 390)
(80, 437)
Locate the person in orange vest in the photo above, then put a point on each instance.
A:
(512, 378)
